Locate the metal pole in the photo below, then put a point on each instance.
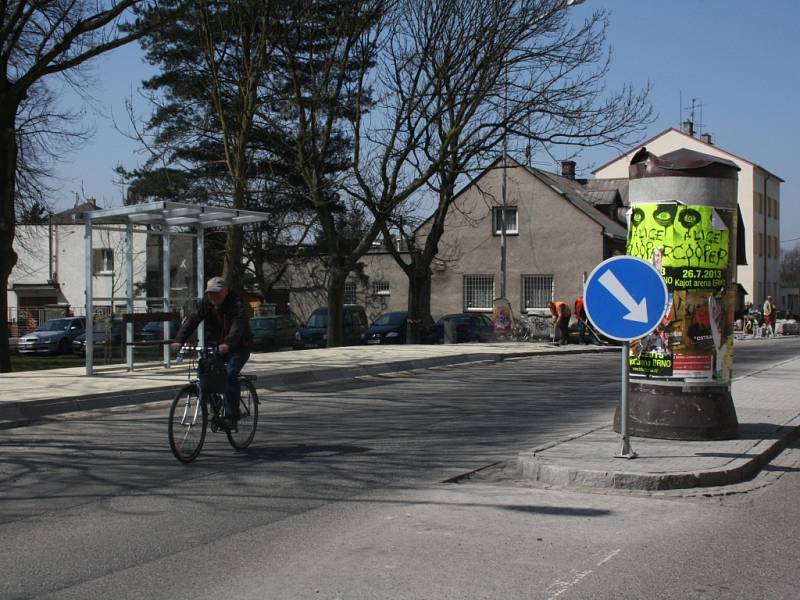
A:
(87, 237)
(201, 286)
(626, 451)
(129, 293)
(166, 287)
(503, 268)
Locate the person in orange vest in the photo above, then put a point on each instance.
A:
(584, 336)
(561, 314)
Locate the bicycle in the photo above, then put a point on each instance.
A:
(189, 412)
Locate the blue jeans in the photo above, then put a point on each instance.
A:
(234, 363)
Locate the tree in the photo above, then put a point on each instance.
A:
(501, 69)
(211, 133)
(39, 40)
(790, 267)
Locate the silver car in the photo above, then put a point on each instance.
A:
(54, 337)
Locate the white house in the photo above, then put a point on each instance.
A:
(759, 203)
(49, 278)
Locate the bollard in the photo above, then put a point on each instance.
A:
(683, 218)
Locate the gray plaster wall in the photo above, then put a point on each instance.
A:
(555, 238)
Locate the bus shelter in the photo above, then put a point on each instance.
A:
(174, 218)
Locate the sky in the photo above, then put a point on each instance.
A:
(738, 58)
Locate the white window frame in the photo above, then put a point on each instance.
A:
(103, 261)
(511, 228)
(350, 292)
(536, 289)
(478, 293)
(381, 288)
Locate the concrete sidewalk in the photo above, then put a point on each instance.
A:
(30, 395)
(768, 409)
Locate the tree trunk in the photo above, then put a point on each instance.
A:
(419, 303)
(8, 258)
(232, 264)
(338, 277)
(233, 269)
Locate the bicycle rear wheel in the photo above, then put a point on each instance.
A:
(248, 417)
(188, 418)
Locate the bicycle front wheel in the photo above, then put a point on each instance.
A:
(188, 418)
(248, 416)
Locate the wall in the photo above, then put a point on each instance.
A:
(69, 262)
(555, 238)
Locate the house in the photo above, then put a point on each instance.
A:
(49, 279)
(759, 205)
(558, 229)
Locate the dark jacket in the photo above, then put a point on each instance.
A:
(228, 324)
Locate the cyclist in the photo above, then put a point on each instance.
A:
(227, 323)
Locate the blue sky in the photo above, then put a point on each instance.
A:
(738, 57)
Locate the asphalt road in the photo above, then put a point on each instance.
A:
(343, 496)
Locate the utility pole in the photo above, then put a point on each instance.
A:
(503, 266)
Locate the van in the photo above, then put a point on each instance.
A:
(314, 334)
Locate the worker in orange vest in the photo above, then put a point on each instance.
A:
(583, 327)
(561, 314)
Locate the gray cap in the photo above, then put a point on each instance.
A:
(216, 284)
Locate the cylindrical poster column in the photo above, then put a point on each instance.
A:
(683, 219)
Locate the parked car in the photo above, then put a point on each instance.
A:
(470, 327)
(314, 334)
(54, 337)
(115, 337)
(388, 328)
(153, 331)
(271, 333)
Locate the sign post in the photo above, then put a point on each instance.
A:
(625, 298)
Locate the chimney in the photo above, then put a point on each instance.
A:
(568, 169)
(706, 137)
(688, 127)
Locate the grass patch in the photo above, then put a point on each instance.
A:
(39, 362)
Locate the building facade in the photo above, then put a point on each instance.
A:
(49, 279)
(557, 230)
(759, 200)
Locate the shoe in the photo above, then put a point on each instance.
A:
(228, 424)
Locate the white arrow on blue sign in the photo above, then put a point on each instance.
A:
(625, 298)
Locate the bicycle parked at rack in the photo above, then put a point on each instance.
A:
(203, 398)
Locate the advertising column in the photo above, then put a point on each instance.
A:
(683, 220)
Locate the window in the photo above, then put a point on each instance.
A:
(537, 291)
(511, 220)
(380, 288)
(102, 260)
(478, 292)
(350, 292)
(759, 246)
(758, 202)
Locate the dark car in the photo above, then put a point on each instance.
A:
(314, 334)
(153, 331)
(469, 327)
(388, 328)
(271, 333)
(54, 337)
(103, 335)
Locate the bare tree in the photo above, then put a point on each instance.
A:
(38, 40)
(496, 69)
(790, 266)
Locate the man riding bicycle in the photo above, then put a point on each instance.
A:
(227, 323)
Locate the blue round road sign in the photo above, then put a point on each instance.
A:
(625, 298)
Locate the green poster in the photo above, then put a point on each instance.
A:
(690, 245)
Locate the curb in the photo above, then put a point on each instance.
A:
(744, 467)
(21, 414)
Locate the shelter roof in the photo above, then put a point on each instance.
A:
(176, 214)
